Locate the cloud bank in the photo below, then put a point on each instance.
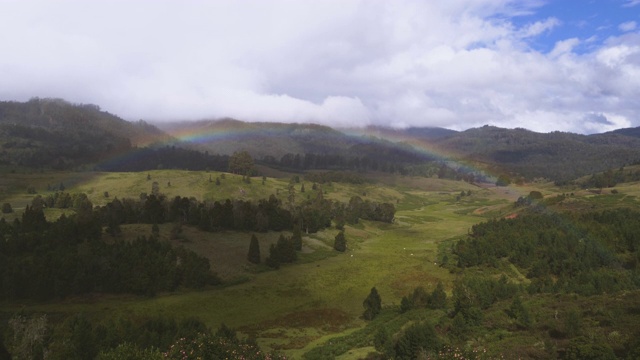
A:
(454, 64)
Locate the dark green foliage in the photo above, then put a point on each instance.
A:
(6, 208)
(358, 208)
(273, 260)
(583, 252)
(573, 323)
(267, 214)
(226, 332)
(405, 304)
(381, 339)
(582, 348)
(417, 339)
(82, 339)
(520, 313)
(69, 258)
(438, 297)
(372, 305)
(503, 180)
(340, 242)
(285, 250)
(535, 195)
(253, 256)
(459, 327)
(296, 237)
(282, 252)
(4, 353)
(241, 163)
(33, 220)
(419, 298)
(168, 157)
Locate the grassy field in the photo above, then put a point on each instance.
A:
(300, 306)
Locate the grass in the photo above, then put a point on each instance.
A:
(304, 305)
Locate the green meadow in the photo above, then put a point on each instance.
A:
(301, 306)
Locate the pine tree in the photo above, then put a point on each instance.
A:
(438, 298)
(273, 260)
(285, 250)
(518, 311)
(405, 304)
(254, 250)
(340, 243)
(372, 305)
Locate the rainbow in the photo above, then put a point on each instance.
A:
(206, 132)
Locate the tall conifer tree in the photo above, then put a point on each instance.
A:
(254, 250)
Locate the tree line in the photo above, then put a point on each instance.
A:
(43, 260)
(272, 214)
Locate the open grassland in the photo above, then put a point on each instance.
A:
(303, 305)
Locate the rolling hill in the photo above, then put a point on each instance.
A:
(56, 134)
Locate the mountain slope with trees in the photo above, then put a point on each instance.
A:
(53, 133)
(557, 155)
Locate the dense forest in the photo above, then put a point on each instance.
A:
(586, 254)
(84, 260)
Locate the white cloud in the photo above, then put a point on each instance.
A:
(539, 27)
(455, 64)
(631, 3)
(628, 26)
(564, 47)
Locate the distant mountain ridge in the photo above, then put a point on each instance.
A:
(555, 155)
(633, 132)
(57, 134)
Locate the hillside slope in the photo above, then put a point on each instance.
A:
(557, 155)
(55, 133)
(273, 141)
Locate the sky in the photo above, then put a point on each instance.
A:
(556, 65)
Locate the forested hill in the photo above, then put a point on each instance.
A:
(261, 139)
(559, 156)
(634, 132)
(58, 134)
(556, 155)
(52, 133)
(281, 144)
